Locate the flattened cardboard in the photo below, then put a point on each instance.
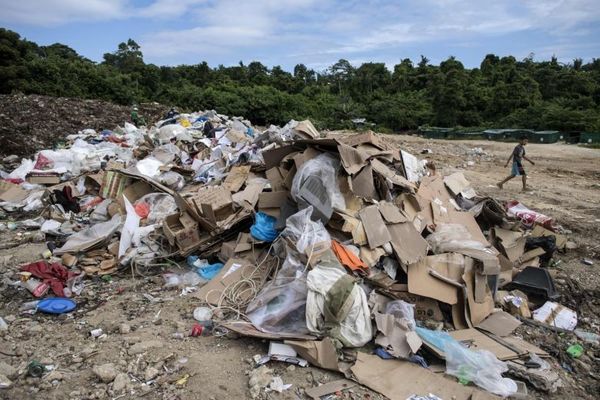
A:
(432, 187)
(511, 243)
(360, 138)
(276, 177)
(236, 178)
(478, 311)
(353, 160)
(362, 184)
(408, 244)
(422, 283)
(499, 323)
(391, 175)
(272, 199)
(531, 254)
(248, 197)
(425, 307)
(391, 213)
(12, 193)
(458, 184)
(43, 178)
(321, 354)
(307, 130)
(232, 272)
(398, 380)
(377, 233)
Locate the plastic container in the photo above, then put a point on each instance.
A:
(35, 287)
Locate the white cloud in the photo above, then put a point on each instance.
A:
(319, 31)
(57, 12)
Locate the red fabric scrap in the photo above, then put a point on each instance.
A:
(55, 275)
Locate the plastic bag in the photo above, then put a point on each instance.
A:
(336, 306)
(305, 232)
(452, 237)
(325, 167)
(203, 268)
(172, 180)
(478, 366)
(189, 278)
(264, 227)
(280, 307)
(142, 209)
(22, 170)
(161, 205)
(149, 167)
(548, 243)
(90, 237)
(528, 217)
(403, 311)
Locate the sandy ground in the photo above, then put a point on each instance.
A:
(565, 182)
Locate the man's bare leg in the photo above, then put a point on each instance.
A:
(501, 183)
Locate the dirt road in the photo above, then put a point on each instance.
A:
(146, 335)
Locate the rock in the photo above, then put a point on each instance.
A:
(35, 328)
(106, 372)
(291, 368)
(124, 328)
(10, 318)
(120, 383)
(5, 383)
(141, 347)
(7, 370)
(54, 376)
(46, 361)
(259, 378)
(151, 373)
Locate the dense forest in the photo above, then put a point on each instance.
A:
(502, 92)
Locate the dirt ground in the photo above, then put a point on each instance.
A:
(144, 333)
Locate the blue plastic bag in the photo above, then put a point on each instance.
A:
(264, 227)
(203, 268)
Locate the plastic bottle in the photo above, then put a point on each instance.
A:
(589, 337)
(36, 287)
(3, 324)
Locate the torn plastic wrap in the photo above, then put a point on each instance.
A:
(90, 237)
(160, 205)
(318, 178)
(280, 307)
(308, 235)
(478, 366)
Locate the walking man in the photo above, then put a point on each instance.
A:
(517, 156)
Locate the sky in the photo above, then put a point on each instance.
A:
(314, 32)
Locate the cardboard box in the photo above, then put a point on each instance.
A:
(12, 193)
(181, 230)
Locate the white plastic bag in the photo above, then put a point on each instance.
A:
(149, 167)
(480, 367)
(341, 313)
(161, 206)
(449, 238)
(403, 311)
(306, 233)
(325, 167)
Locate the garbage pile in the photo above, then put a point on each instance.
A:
(323, 245)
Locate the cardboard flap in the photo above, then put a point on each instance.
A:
(458, 184)
(353, 160)
(236, 178)
(407, 243)
(377, 233)
(499, 323)
(398, 380)
(362, 184)
(321, 354)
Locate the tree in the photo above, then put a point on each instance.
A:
(128, 58)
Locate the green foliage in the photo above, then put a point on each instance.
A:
(503, 92)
